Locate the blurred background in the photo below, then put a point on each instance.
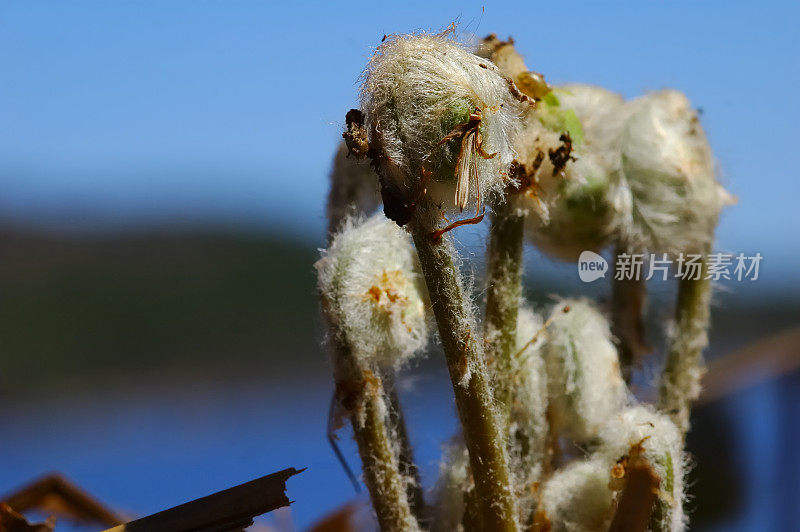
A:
(163, 172)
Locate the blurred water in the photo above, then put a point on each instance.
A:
(147, 451)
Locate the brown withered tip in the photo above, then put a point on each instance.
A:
(561, 155)
(493, 41)
(396, 205)
(230, 509)
(355, 134)
(489, 45)
(639, 494)
(541, 522)
(523, 177)
(518, 94)
(354, 116)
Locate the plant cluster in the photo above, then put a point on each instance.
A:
(551, 437)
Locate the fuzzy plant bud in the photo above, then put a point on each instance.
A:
(373, 292)
(577, 216)
(669, 198)
(577, 498)
(439, 119)
(562, 179)
(562, 176)
(354, 188)
(641, 431)
(584, 380)
(571, 158)
(528, 430)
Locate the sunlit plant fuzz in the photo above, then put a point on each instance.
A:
(430, 104)
(551, 436)
(669, 198)
(584, 379)
(370, 281)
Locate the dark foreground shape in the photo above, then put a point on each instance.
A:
(56, 495)
(229, 510)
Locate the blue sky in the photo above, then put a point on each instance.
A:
(129, 113)
(132, 112)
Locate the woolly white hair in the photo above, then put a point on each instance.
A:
(369, 280)
(528, 421)
(453, 484)
(534, 144)
(354, 188)
(532, 390)
(416, 89)
(578, 498)
(529, 411)
(668, 197)
(571, 211)
(534, 139)
(601, 112)
(641, 426)
(584, 379)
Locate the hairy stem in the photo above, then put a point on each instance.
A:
(628, 299)
(680, 381)
(353, 189)
(360, 392)
(350, 191)
(504, 287)
(458, 331)
(406, 453)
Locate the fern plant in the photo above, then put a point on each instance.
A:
(445, 131)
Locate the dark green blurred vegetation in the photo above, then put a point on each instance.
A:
(142, 306)
(91, 310)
